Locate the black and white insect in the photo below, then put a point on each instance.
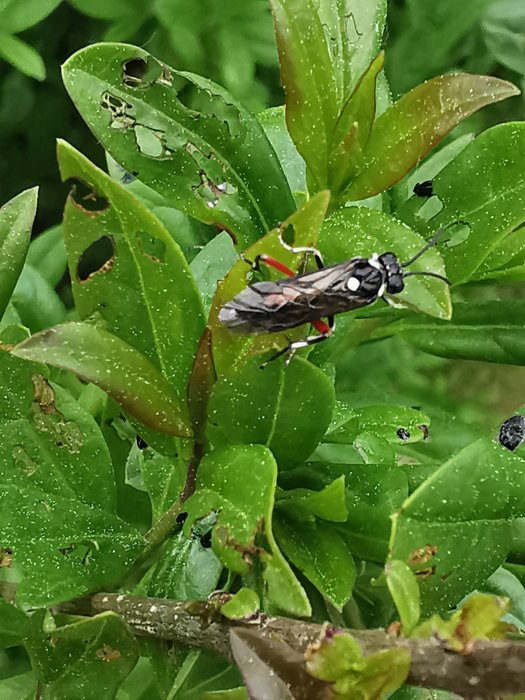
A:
(272, 307)
(512, 432)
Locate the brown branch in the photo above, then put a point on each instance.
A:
(491, 669)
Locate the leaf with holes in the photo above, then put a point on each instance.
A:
(358, 231)
(79, 548)
(287, 408)
(16, 220)
(125, 267)
(47, 440)
(244, 505)
(100, 651)
(484, 186)
(304, 228)
(413, 125)
(113, 365)
(193, 158)
(454, 530)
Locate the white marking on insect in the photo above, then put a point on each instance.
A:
(374, 262)
(353, 284)
(382, 289)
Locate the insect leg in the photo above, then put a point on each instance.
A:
(317, 255)
(271, 262)
(325, 331)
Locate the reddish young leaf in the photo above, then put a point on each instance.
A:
(409, 129)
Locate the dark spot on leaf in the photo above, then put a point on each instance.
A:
(48, 419)
(24, 461)
(422, 554)
(205, 540)
(402, 434)
(86, 198)
(141, 444)
(6, 557)
(142, 73)
(512, 432)
(97, 258)
(181, 519)
(424, 428)
(153, 247)
(424, 189)
(446, 576)
(107, 654)
(423, 574)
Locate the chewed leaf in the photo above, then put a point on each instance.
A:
(113, 365)
(243, 507)
(409, 129)
(191, 157)
(127, 269)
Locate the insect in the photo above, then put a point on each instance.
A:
(512, 432)
(271, 307)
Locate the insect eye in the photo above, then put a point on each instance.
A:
(353, 284)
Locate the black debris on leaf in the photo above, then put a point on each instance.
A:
(512, 432)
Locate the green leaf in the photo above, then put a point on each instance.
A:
(36, 302)
(101, 652)
(273, 121)
(190, 157)
(48, 252)
(483, 186)
(245, 603)
(140, 273)
(162, 476)
(16, 17)
(287, 408)
(328, 504)
(304, 225)
(422, 48)
(413, 125)
(318, 551)
(387, 422)
(404, 590)
(113, 365)
(408, 692)
(22, 56)
(47, 440)
(505, 583)
(374, 494)
(353, 128)
(241, 504)
(79, 548)
(212, 264)
(16, 220)
(454, 530)
(503, 31)
(490, 331)
(310, 85)
(14, 625)
(339, 659)
(357, 231)
(186, 570)
(19, 687)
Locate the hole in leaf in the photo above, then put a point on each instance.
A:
(141, 444)
(458, 234)
(288, 234)
(121, 118)
(48, 419)
(152, 142)
(98, 257)
(6, 557)
(142, 73)
(107, 654)
(423, 189)
(24, 461)
(86, 198)
(151, 246)
(402, 434)
(430, 208)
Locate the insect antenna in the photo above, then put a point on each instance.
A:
(429, 274)
(423, 250)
